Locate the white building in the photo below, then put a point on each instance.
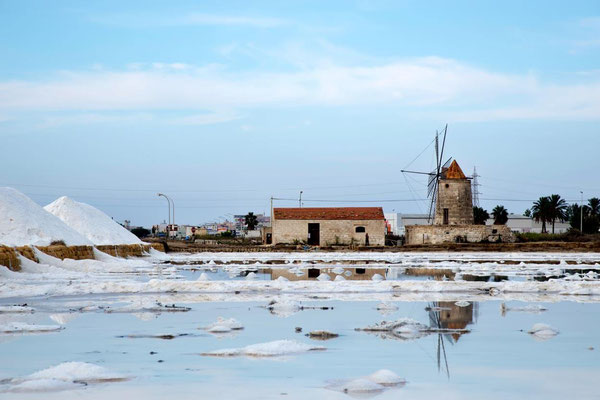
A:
(516, 223)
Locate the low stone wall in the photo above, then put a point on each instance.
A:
(437, 234)
(8, 258)
(130, 250)
(8, 255)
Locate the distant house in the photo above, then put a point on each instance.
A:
(329, 226)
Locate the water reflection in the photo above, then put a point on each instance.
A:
(453, 317)
(310, 274)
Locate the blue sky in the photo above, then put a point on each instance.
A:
(224, 104)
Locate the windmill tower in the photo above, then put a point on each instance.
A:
(454, 203)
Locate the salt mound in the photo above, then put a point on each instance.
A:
(386, 377)
(269, 349)
(21, 327)
(543, 331)
(90, 222)
(224, 325)
(23, 222)
(65, 376)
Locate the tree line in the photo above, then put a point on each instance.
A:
(548, 210)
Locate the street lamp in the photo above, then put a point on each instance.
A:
(169, 203)
(581, 213)
(300, 200)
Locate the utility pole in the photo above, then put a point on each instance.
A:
(272, 215)
(475, 187)
(581, 213)
(300, 200)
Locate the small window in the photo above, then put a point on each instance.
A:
(446, 216)
(359, 271)
(447, 186)
(314, 272)
(360, 229)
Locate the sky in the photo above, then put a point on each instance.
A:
(224, 104)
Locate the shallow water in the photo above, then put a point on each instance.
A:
(494, 360)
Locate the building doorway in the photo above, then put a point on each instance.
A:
(314, 231)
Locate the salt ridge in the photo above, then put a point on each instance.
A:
(23, 223)
(90, 222)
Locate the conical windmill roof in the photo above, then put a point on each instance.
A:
(454, 171)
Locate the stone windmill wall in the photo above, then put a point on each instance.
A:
(454, 205)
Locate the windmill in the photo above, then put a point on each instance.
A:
(435, 175)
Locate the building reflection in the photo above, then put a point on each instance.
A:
(310, 274)
(453, 317)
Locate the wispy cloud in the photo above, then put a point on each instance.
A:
(429, 84)
(205, 119)
(189, 19)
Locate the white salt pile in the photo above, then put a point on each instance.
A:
(269, 349)
(385, 377)
(21, 327)
(204, 277)
(323, 277)
(283, 308)
(372, 384)
(223, 325)
(542, 331)
(65, 376)
(23, 222)
(90, 222)
(16, 309)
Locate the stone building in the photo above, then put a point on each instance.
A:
(329, 226)
(453, 220)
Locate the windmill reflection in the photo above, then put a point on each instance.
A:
(451, 321)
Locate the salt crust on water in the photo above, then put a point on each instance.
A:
(65, 376)
(223, 325)
(23, 222)
(21, 327)
(268, 349)
(90, 222)
(376, 382)
(543, 331)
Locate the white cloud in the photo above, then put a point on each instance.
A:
(429, 84)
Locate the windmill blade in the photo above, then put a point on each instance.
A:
(447, 163)
(431, 214)
(431, 184)
(443, 143)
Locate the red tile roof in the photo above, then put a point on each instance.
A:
(454, 171)
(337, 213)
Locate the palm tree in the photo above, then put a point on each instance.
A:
(251, 221)
(500, 215)
(480, 216)
(540, 211)
(527, 213)
(558, 209)
(594, 205)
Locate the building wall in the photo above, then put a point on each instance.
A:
(331, 231)
(436, 234)
(455, 195)
(393, 220)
